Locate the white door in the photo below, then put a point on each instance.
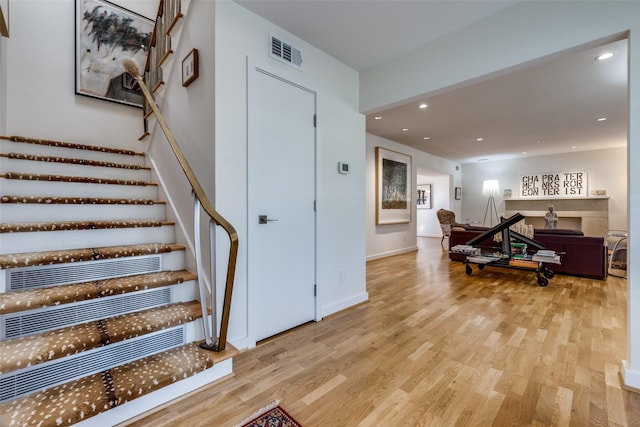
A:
(281, 205)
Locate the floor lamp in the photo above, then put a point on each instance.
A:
(490, 188)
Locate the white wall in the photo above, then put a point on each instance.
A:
(392, 239)
(427, 224)
(3, 86)
(606, 170)
(340, 137)
(39, 60)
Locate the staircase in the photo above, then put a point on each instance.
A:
(99, 321)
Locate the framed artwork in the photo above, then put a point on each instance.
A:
(458, 194)
(190, 68)
(423, 199)
(106, 35)
(393, 187)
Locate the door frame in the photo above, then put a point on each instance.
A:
(294, 79)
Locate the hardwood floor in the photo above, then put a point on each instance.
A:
(435, 347)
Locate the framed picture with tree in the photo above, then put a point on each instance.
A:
(393, 187)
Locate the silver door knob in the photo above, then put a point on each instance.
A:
(263, 219)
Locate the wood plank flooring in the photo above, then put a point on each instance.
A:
(435, 347)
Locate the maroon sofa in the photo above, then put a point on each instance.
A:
(582, 256)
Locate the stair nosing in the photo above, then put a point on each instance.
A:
(63, 200)
(72, 145)
(57, 296)
(19, 176)
(34, 259)
(73, 161)
(25, 227)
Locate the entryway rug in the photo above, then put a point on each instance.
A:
(270, 416)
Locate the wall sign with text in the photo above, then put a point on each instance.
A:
(553, 184)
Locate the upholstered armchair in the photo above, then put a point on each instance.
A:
(447, 220)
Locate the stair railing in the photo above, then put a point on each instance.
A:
(201, 202)
(169, 12)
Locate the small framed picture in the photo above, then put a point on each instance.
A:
(190, 68)
(458, 194)
(423, 199)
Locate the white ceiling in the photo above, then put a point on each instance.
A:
(547, 108)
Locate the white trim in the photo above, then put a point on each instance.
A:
(630, 378)
(242, 343)
(344, 304)
(392, 253)
(170, 204)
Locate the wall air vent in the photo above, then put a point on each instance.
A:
(284, 52)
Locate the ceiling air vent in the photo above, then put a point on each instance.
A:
(285, 52)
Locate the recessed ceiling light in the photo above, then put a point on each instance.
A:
(604, 56)
(377, 118)
(479, 139)
(574, 146)
(405, 129)
(423, 106)
(601, 119)
(426, 138)
(540, 141)
(524, 152)
(482, 160)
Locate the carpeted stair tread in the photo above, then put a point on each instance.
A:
(55, 200)
(30, 259)
(79, 179)
(63, 144)
(71, 160)
(84, 398)
(13, 302)
(23, 352)
(17, 227)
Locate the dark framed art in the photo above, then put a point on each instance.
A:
(458, 194)
(423, 196)
(106, 35)
(393, 187)
(190, 68)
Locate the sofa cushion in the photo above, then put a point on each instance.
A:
(475, 228)
(558, 231)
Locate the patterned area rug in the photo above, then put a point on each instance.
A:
(270, 416)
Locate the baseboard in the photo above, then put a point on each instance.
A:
(345, 303)
(242, 343)
(152, 400)
(630, 379)
(392, 253)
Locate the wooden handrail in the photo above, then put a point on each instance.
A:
(132, 69)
